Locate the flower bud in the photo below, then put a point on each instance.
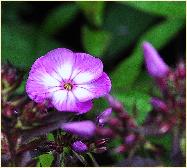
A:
(116, 105)
(11, 78)
(104, 132)
(114, 122)
(101, 142)
(81, 128)
(100, 150)
(181, 70)
(9, 110)
(103, 117)
(154, 63)
(120, 149)
(164, 128)
(79, 146)
(159, 105)
(130, 139)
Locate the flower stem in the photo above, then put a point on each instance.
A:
(93, 160)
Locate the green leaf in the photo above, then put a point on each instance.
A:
(126, 24)
(99, 105)
(94, 11)
(95, 42)
(21, 88)
(165, 141)
(46, 160)
(45, 43)
(50, 137)
(135, 98)
(127, 71)
(168, 9)
(143, 82)
(59, 18)
(18, 44)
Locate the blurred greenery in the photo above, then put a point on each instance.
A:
(94, 11)
(59, 18)
(113, 31)
(136, 103)
(167, 9)
(45, 160)
(95, 41)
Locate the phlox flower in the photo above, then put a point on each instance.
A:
(69, 80)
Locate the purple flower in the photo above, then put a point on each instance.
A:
(81, 128)
(154, 63)
(69, 80)
(103, 117)
(79, 146)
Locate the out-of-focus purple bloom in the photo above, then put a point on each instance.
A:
(81, 128)
(129, 139)
(115, 104)
(103, 117)
(159, 105)
(79, 146)
(70, 80)
(181, 70)
(154, 63)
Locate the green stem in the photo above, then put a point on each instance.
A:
(93, 160)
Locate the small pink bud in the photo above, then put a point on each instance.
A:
(154, 63)
(164, 128)
(120, 149)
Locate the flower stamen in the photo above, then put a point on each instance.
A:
(68, 86)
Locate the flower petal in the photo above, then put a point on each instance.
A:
(86, 68)
(81, 128)
(47, 73)
(64, 100)
(40, 85)
(61, 62)
(95, 89)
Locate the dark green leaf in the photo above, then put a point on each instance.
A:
(165, 141)
(60, 17)
(95, 42)
(45, 44)
(18, 44)
(169, 9)
(94, 11)
(126, 24)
